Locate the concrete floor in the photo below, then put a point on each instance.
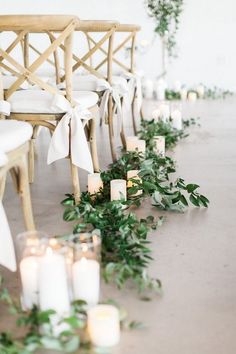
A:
(195, 252)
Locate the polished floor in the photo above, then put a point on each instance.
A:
(195, 252)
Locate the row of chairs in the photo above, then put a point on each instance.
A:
(65, 99)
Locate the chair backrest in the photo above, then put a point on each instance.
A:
(59, 28)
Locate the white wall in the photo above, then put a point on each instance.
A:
(206, 39)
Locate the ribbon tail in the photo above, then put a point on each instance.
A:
(104, 105)
(59, 145)
(80, 153)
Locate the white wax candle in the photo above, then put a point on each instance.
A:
(94, 183)
(148, 89)
(86, 280)
(134, 175)
(200, 91)
(160, 144)
(156, 114)
(53, 286)
(133, 144)
(192, 96)
(176, 117)
(29, 280)
(118, 189)
(183, 94)
(160, 90)
(165, 111)
(104, 326)
(177, 86)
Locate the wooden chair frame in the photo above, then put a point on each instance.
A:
(131, 31)
(64, 26)
(18, 167)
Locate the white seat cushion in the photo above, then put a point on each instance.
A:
(38, 101)
(92, 83)
(13, 134)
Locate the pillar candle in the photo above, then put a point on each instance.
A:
(133, 144)
(133, 174)
(53, 286)
(165, 111)
(86, 280)
(148, 89)
(118, 189)
(104, 326)
(94, 183)
(200, 91)
(159, 144)
(192, 96)
(183, 94)
(29, 280)
(176, 117)
(160, 90)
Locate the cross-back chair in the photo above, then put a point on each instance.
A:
(63, 111)
(127, 69)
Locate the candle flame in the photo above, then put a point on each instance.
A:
(53, 242)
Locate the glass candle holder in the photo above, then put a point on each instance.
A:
(118, 189)
(95, 183)
(86, 268)
(30, 246)
(43, 272)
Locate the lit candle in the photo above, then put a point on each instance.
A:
(53, 286)
(133, 144)
(104, 326)
(29, 280)
(134, 175)
(118, 189)
(192, 96)
(148, 89)
(86, 280)
(183, 94)
(94, 183)
(159, 145)
(176, 117)
(165, 111)
(200, 91)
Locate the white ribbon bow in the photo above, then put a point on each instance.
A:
(61, 143)
(104, 105)
(135, 86)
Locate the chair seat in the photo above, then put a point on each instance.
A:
(13, 134)
(39, 101)
(92, 83)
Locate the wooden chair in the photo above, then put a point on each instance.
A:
(34, 105)
(129, 38)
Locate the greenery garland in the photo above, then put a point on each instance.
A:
(213, 93)
(166, 14)
(126, 251)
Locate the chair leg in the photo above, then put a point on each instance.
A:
(75, 182)
(24, 192)
(31, 160)
(93, 144)
(111, 130)
(2, 186)
(32, 153)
